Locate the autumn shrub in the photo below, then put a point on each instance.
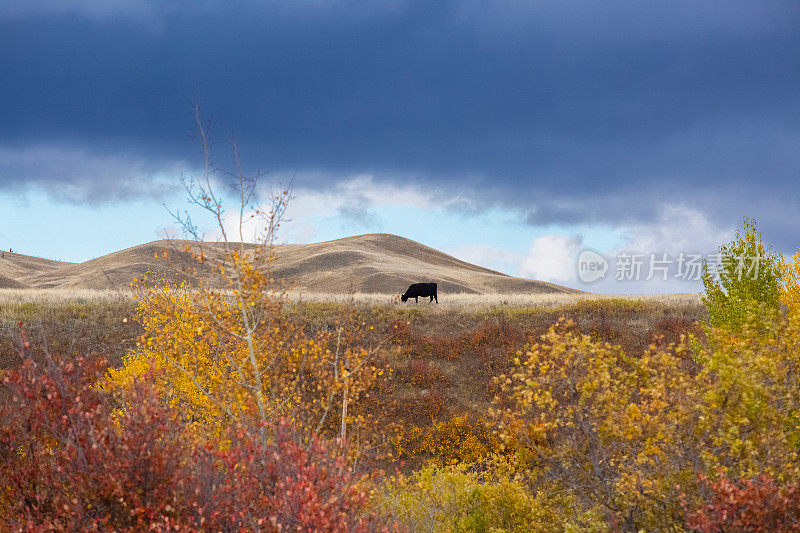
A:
(748, 271)
(757, 505)
(493, 341)
(439, 346)
(401, 330)
(791, 288)
(489, 342)
(424, 374)
(289, 485)
(628, 434)
(235, 359)
(65, 465)
(463, 439)
(669, 329)
(428, 406)
(750, 409)
(73, 459)
(453, 499)
(611, 429)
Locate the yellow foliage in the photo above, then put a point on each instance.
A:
(233, 356)
(589, 418)
(791, 283)
(455, 499)
(628, 435)
(459, 440)
(751, 398)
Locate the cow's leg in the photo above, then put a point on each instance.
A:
(416, 298)
(431, 299)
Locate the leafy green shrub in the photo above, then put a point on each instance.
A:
(749, 271)
(440, 499)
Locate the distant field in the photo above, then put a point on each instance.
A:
(459, 300)
(60, 295)
(493, 300)
(81, 321)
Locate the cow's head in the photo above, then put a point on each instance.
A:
(404, 297)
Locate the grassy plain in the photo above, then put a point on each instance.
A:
(444, 355)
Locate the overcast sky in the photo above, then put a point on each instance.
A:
(513, 134)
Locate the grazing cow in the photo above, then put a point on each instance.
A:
(421, 289)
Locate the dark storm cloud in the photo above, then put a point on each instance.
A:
(572, 111)
(71, 174)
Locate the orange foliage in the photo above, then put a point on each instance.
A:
(462, 439)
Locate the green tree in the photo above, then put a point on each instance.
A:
(749, 271)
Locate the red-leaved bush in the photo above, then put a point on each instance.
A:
(72, 459)
(757, 505)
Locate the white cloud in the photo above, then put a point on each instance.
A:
(677, 228)
(552, 258)
(357, 201)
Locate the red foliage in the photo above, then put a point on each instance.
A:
(287, 487)
(424, 374)
(400, 331)
(66, 466)
(757, 505)
(493, 342)
(66, 463)
(668, 330)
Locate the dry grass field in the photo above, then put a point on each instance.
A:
(462, 301)
(446, 301)
(104, 322)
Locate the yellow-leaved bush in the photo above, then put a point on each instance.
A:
(791, 283)
(462, 439)
(234, 357)
(456, 499)
(590, 420)
(751, 398)
(628, 435)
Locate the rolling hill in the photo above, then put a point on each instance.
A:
(374, 263)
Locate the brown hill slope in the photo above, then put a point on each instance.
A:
(15, 269)
(375, 263)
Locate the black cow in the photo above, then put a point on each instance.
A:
(421, 289)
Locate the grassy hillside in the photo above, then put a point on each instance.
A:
(375, 263)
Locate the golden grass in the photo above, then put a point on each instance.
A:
(10, 296)
(449, 301)
(446, 301)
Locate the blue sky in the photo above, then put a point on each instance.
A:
(512, 134)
